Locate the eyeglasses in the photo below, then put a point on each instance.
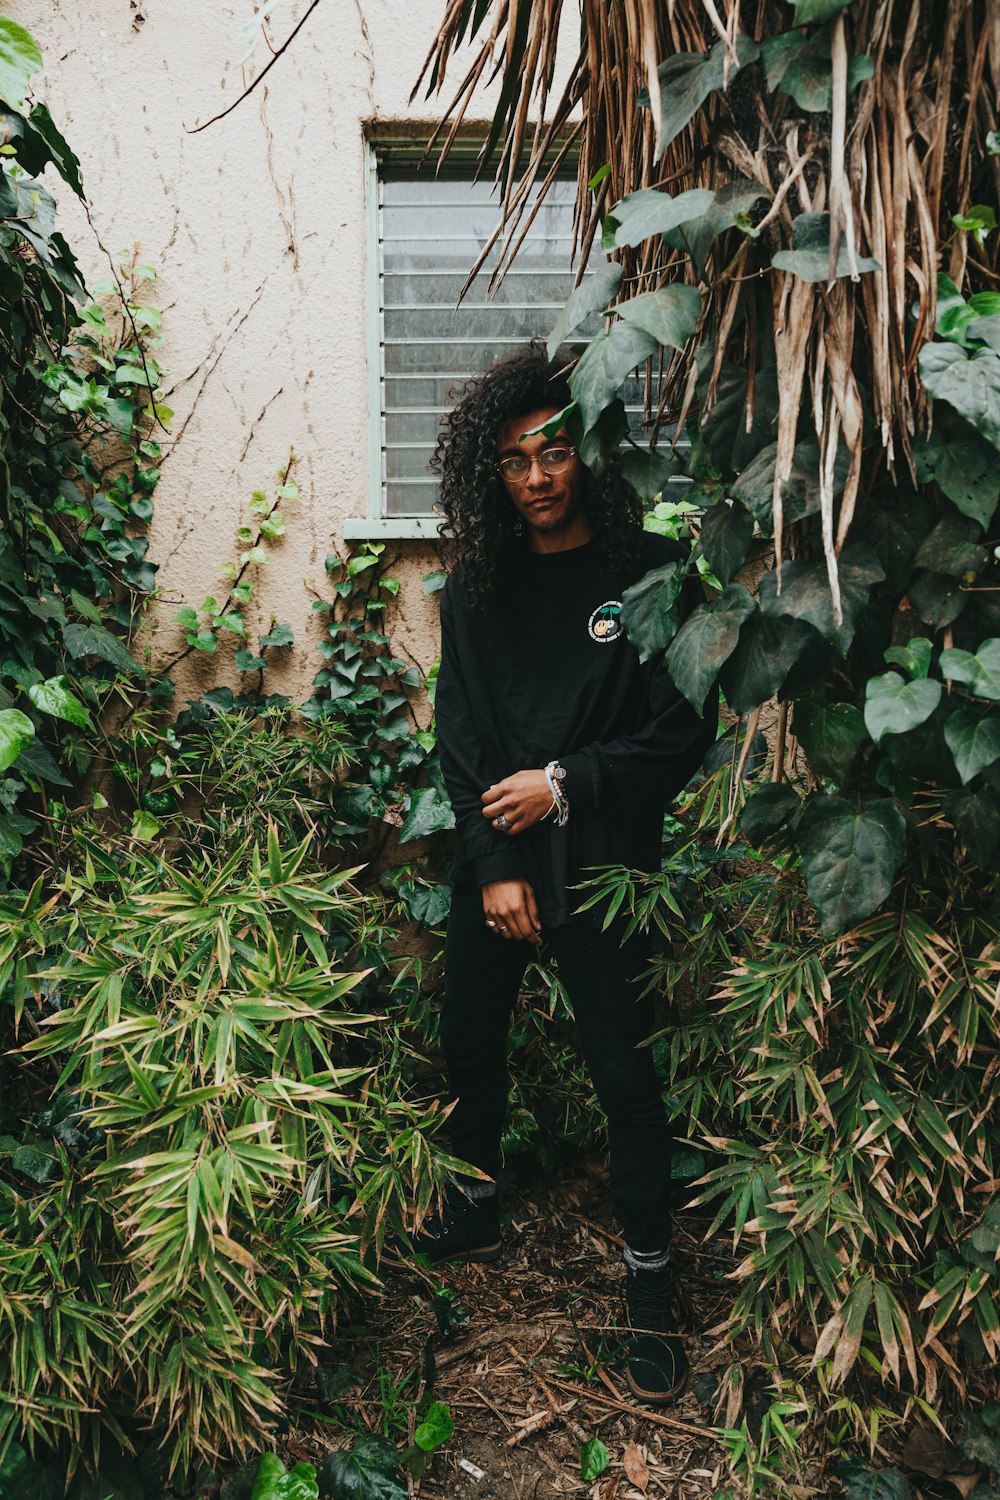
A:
(517, 467)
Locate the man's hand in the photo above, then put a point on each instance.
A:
(523, 799)
(511, 910)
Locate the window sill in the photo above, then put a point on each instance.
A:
(370, 528)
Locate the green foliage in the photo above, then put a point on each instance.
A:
(594, 1459)
(273, 1482)
(369, 1470)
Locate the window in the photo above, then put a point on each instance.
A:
(425, 233)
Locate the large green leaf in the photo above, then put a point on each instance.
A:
(805, 592)
(830, 734)
(54, 697)
(914, 657)
(894, 706)
(968, 383)
(647, 472)
(849, 858)
(42, 143)
(649, 609)
(598, 443)
(94, 640)
(16, 731)
(975, 817)
(724, 433)
(953, 547)
(965, 467)
(765, 654)
(436, 1427)
(704, 642)
(809, 257)
(592, 295)
(429, 812)
(979, 671)
(767, 810)
(802, 66)
(937, 598)
(651, 211)
(687, 79)
(974, 741)
(670, 315)
(20, 59)
(730, 207)
(800, 491)
(725, 537)
(604, 365)
(895, 532)
(369, 1471)
(864, 1483)
(594, 1459)
(271, 1482)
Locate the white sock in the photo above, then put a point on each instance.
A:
(646, 1260)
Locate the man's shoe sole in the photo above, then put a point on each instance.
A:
(657, 1398)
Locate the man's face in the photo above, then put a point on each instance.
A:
(548, 503)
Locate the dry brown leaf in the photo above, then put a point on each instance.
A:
(636, 1467)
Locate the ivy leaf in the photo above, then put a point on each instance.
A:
(953, 547)
(705, 641)
(594, 1459)
(830, 734)
(767, 810)
(809, 257)
(19, 60)
(16, 731)
(937, 598)
(369, 1471)
(979, 672)
(43, 143)
(863, 1483)
(436, 1428)
(968, 383)
(849, 858)
(651, 211)
(805, 592)
(973, 740)
(730, 205)
(592, 295)
(434, 581)
(964, 466)
(687, 79)
(807, 12)
(54, 697)
(894, 706)
(278, 635)
(649, 609)
(975, 817)
(605, 437)
(726, 534)
(429, 812)
(764, 655)
(802, 66)
(914, 657)
(670, 315)
(754, 487)
(94, 640)
(647, 472)
(271, 1481)
(38, 1166)
(604, 365)
(247, 661)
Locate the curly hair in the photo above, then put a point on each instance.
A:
(482, 531)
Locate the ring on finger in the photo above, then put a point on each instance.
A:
(502, 823)
(490, 923)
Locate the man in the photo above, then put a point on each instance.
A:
(560, 752)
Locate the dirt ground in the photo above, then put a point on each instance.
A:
(537, 1368)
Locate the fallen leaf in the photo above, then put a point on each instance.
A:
(636, 1467)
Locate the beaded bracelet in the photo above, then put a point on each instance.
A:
(555, 775)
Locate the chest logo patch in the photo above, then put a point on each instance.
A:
(605, 624)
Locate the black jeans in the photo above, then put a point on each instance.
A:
(483, 975)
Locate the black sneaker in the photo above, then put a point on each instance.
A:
(657, 1366)
(466, 1229)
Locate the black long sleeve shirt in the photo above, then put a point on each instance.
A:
(545, 672)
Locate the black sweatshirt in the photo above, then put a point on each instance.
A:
(545, 672)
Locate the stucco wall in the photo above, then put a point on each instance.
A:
(256, 227)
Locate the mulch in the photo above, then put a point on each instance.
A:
(536, 1371)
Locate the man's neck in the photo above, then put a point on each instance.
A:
(577, 534)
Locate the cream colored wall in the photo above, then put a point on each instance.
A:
(256, 226)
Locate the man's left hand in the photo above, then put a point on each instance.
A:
(523, 799)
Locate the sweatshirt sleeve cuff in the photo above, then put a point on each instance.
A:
(505, 864)
(580, 786)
